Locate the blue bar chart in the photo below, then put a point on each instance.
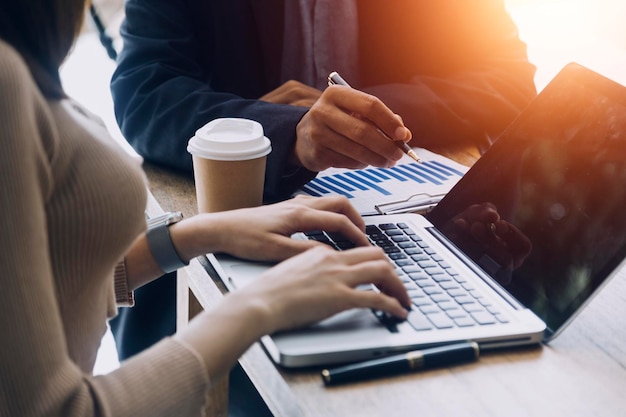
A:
(405, 187)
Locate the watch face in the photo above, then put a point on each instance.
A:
(173, 218)
(166, 219)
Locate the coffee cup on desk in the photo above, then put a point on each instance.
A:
(229, 157)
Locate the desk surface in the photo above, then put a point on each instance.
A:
(581, 373)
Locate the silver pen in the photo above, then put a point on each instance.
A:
(335, 79)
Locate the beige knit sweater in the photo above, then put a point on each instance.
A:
(72, 202)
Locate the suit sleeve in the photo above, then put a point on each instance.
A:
(163, 92)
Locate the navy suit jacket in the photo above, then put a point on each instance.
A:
(455, 70)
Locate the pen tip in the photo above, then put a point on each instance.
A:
(413, 155)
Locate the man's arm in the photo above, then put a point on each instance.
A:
(170, 82)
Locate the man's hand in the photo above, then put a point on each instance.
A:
(343, 129)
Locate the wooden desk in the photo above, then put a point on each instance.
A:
(581, 373)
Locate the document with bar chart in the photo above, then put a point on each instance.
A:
(407, 187)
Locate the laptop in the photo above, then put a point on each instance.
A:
(510, 255)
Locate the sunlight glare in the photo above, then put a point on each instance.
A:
(556, 32)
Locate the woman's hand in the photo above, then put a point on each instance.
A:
(264, 233)
(299, 291)
(322, 282)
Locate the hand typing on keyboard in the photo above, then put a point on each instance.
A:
(441, 297)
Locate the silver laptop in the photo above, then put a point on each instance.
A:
(510, 255)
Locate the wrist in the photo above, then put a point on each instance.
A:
(198, 235)
(160, 242)
(220, 336)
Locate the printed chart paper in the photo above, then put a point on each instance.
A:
(407, 187)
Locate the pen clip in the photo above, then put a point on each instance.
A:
(416, 202)
(335, 79)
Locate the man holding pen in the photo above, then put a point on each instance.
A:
(450, 71)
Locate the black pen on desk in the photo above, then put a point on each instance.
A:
(335, 79)
(406, 362)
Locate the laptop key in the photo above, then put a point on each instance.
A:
(448, 305)
(473, 307)
(456, 292)
(501, 318)
(440, 298)
(455, 313)
(483, 317)
(413, 251)
(424, 282)
(371, 229)
(448, 285)
(464, 322)
(398, 255)
(416, 293)
(418, 275)
(345, 244)
(440, 320)
(421, 301)
(427, 263)
(419, 321)
(405, 280)
(441, 277)
(433, 290)
(464, 299)
(403, 262)
(419, 257)
(430, 309)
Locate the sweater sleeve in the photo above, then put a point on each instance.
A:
(38, 376)
(123, 296)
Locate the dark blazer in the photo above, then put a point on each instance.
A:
(455, 70)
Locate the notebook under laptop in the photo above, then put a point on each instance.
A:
(521, 243)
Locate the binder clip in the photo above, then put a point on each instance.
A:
(417, 203)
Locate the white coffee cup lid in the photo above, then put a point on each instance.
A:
(230, 139)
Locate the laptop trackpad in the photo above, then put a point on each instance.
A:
(351, 319)
(242, 274)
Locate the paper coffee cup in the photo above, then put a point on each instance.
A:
(229, 157)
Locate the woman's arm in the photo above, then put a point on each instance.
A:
(261, 233)
(304, 289)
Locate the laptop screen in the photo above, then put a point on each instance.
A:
(544, 210)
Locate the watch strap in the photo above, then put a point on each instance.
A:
(163, 250)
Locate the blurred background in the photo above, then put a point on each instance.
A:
(590, 32)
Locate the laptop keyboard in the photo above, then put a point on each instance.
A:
(441, 297)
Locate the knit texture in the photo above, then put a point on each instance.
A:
(72, 203)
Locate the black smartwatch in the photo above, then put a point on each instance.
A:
(160, 242)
